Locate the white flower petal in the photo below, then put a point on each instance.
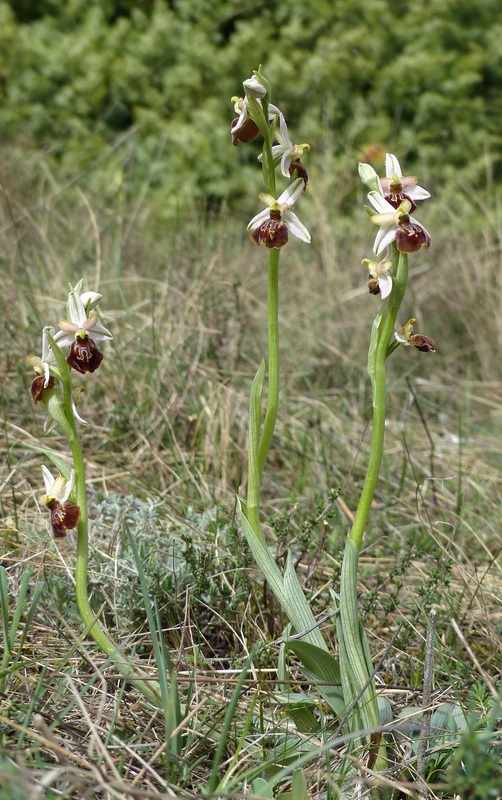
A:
(68, 487)
(283, 132)
(77, 416)
(47, 373)
(379, 202)
(384, 238)
(76, 309)
(296, 227)
(99, 332)
(385, 284)
(64, 339)
(292, 193)
(417, 193)
(258, 219)
(286, 162)
(90, 300)
(48, 479)
(47, 354)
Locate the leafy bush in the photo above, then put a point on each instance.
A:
(154, 79)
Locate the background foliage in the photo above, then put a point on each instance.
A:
(155, 78)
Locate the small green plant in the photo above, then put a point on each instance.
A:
(66, 493)
(15, 634)
(392, 200)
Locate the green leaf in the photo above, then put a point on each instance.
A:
(299, 786)
(261, 788)
(263, 558)
(300, 708)
(447, 721)
(58, 462)
(301, 613)
(323, 670)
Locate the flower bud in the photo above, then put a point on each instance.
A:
(257, 86)
(368, 177)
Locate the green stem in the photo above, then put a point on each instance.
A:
(382, 331)
(355, 658)
(273, 360)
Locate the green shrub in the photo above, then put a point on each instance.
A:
(154, 80)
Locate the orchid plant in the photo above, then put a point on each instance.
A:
(74, 349)
(271, 228)
(392, 200)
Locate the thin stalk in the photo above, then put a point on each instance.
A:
(273, 360)
(382, 331)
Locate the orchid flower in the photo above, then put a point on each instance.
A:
(288, 152)
(84, 355)
(64, 516)
(243, 128)
(397, 225)
(397, 188)
(379, 281)
(271, 226)
(42, 366)
(404, 334)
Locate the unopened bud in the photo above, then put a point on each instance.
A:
(368, 177)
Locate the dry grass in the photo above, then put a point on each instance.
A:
(168, 415)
